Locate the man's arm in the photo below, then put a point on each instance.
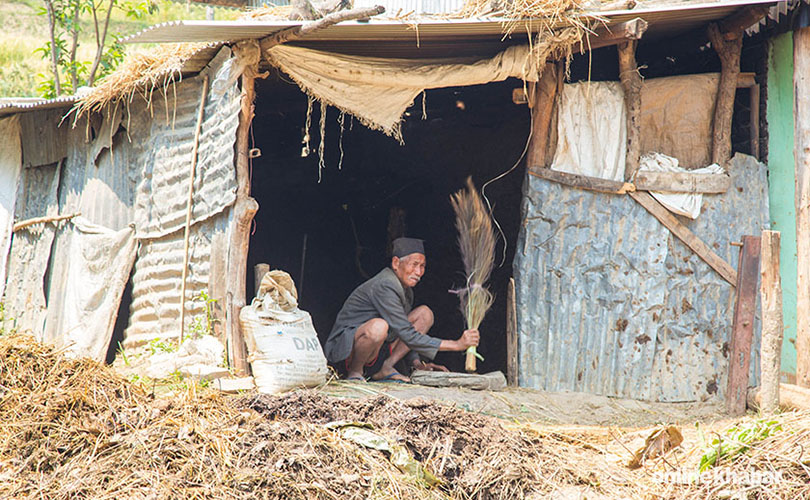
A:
(386, 301)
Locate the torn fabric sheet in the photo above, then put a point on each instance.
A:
(378, 91)
(686, 204)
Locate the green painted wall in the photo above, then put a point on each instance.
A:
(781, 180)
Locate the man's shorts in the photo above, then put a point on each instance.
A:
(375, 365)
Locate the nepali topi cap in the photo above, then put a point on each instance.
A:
(407, 246)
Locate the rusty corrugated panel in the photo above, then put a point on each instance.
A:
(44, 141)
(155, 309)
(161, 196)
(609, 302)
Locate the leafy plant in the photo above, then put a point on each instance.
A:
(159, 345)
(4, 321)
(735, 441)
(204, 324)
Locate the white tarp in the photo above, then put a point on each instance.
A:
(10, 164)
(378, 90)
(685, 204)
(591, 131)
(99, 263)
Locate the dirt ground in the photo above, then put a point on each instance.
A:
(525, 405)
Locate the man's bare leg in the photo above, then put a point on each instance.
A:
(367, 341)
(422, 320)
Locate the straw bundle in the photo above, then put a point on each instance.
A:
(476, 241)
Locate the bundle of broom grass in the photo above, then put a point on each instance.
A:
(476, 241)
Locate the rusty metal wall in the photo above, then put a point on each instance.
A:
(609, 302)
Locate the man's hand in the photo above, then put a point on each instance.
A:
(418, 364)
(468, 339)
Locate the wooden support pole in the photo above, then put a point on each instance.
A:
(683, 233)
(742, 330)
(801, 153)
(542, 98)
(772, 324)
(631, 84)
(728, 49)
(753, 122)
(512, 365)
(259, 270)
(190, 203)
(244, 209)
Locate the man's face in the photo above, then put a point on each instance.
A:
(409, 269)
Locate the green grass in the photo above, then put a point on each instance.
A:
(21, 70)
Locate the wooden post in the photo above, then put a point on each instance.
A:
(190, 203)
(772, 327)
(511, 336)
(244, 209)
(801, 153)
(631, 84)
(259, 270)
(742, 330)
(754, 121)
(542, 97)
(728, 47)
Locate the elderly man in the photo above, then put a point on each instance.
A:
(376, 327)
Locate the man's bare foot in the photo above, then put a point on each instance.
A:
(355, 376)
(390, 375)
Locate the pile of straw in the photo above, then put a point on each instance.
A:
(476, 241)
(74, 429)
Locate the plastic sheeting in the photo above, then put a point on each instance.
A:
(609, 302)
(10, 164)
(99, 261)
(686, 204)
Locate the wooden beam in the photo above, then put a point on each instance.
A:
(753, 122)
(298, 32)
(801, 153)
(681, 182)
(583, 181)
(612, 35)
(742, 329)
(42, 220)
(729, 52)
(512, 365)
(772, 321)
(631, 84)
(734, 25)
(542, 100)
(683, 233)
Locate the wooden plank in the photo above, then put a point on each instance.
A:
(542, 101)
(259, 270)
(772, 321)
(511, 336)
(801, 154)
(683, 233)
(754, 121)
(742, 329)
(583, 181)
(631, 84)
(792, 397)
(682, 182)
(613, 35)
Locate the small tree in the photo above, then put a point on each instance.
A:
(65, 27)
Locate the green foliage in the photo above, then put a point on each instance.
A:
(204, 324)
(735, 441)
(7, 325)
(157, 345)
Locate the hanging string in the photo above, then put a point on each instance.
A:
(305, 151)
(424, 106)
(322, 145)
(501, 176)
(341, 122)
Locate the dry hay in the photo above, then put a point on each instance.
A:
(74, 429)
(139, 74)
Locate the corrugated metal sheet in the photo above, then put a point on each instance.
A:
(42, 127)
(663, 21)
(609, 302)
(9, 106)
(160, 202)
(31, 249)
(155, 309)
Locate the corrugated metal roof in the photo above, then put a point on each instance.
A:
(9, 106)
(663, 21)
(609, 302)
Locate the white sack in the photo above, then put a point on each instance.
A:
(283, 347)
(379, 90)
(99, 264)
(591, 131)
(686, 204)
(10, 164)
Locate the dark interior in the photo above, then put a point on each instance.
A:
(344, 219)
